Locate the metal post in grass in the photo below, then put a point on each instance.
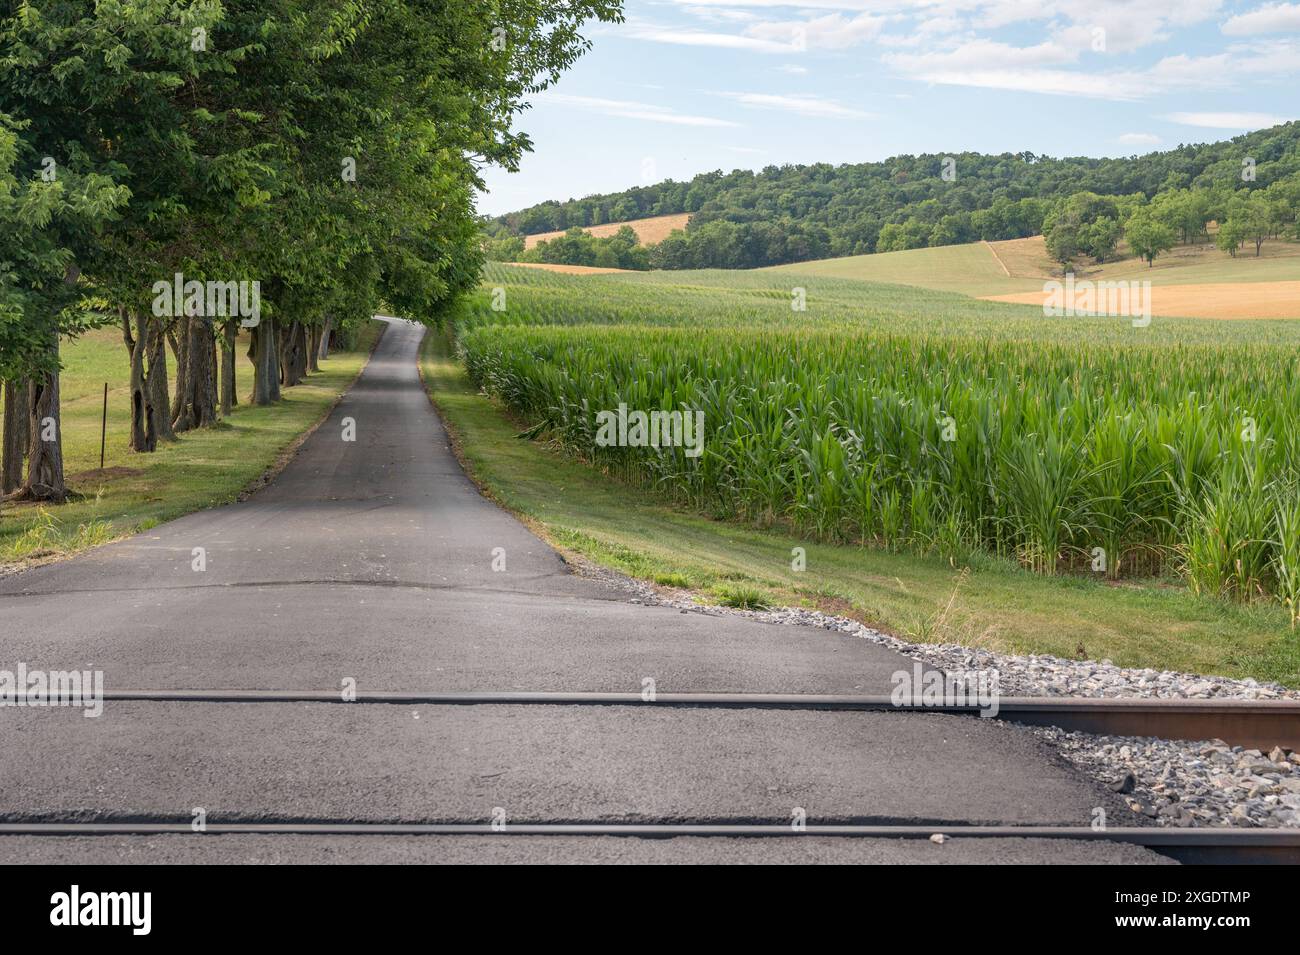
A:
(103, 428)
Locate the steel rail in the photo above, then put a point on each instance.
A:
(1258, 724)
(1199, 845)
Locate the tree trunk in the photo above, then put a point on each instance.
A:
(157, 358)
(266, 365)
(198, 407)
(150, 408)
(45, 481)
(313, 348)
(301, 351)
(178, 335)
(228, 397)
(292, 354)
(282, 348)
(17, 401)
(143, 437)
(326, 331)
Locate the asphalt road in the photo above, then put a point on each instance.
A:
(373, 561)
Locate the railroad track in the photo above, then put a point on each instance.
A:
(1190, 846)
(1255, 724)
(1249, 723)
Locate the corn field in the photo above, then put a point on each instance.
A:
(943, 427)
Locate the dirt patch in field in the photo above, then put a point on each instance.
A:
(648, 231)
(568, 269)
(1219, 300)
(1022, 258)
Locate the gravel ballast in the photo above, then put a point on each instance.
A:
(1167, 782)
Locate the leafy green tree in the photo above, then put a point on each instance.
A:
(1100, 238)
(1252, 217)
(671, 252)
(48, 213)
(1285, 196)
(897, 237)
(1232, 233)
(1007, 196)
(1147, 235)
(232, 127)
(1186, 211)
(1064, 241)
(952, 230)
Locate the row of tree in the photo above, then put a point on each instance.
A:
(1088, 224)
(793, 213)
(576, 247)
(1079, 225)
(310, 158)
(719, 244)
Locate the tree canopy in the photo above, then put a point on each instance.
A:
(327, 150)
(781, 214)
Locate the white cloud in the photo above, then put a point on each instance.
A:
(1051, 82)
(1182, 72)
(1270, 18)
(793, 69)
(847, 5)
(982, 55)
(927, 31)
(729, 41)
(1139, 139)
(946, 42)
(1245, 121)
(992, 65)
(798, 103)
(1276, 58)
(1126, 25)
(722, 14)
(631, 110)
(830, 32)
(1148, 17)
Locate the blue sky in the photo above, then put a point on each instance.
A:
(686, 87)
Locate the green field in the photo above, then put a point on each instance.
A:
(974, 270)
(896, 427)
(969, 269)
(135, 491)
(764, 297)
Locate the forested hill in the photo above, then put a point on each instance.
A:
(794, 213)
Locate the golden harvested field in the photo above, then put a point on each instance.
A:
(1023, 258)
(1199, 264)
(1191, 281)
(568, 269)
(649, 231)
(1215, 300)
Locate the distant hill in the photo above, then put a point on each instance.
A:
(648, 231)
(784, 214)
(1192, 280)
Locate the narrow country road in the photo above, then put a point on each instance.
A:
(373, 561)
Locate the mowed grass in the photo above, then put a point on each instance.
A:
(981, 269)
(202, 469)
(970, 269)
(981, 601)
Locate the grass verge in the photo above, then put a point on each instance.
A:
(982, 603)
(134, 492)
